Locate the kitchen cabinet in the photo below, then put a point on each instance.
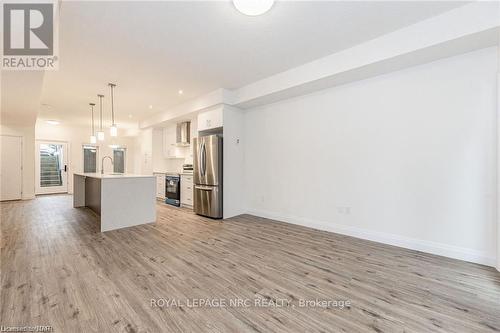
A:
(210, 119)
(187, 190)
(160, 186)
(170, 149)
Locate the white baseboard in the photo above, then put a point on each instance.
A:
(441, 249)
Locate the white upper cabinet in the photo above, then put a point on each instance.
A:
(210, 119)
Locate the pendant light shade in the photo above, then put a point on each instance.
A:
(113, 130)
(100, 133)
(93, 139)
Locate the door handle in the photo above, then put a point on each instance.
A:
(203, 188)
(65, 168)
(203, 159)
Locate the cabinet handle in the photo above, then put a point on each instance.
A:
(204, 188)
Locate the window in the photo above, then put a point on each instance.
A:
(119, 160)
(89, 159)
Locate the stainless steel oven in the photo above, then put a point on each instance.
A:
(173, 189)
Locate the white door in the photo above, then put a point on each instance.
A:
(10, 167)
(51, 167)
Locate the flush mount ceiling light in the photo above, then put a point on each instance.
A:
(52, 122)
(253, 7)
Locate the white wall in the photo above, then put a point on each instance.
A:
(407, 158)
(498, 157)
(76, 137)
(28, 159)
(234, 195)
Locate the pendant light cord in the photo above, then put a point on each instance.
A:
(92, 111)
(112, 85)
(100, 111)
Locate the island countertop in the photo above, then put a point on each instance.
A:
(109, 175)
(120, 200)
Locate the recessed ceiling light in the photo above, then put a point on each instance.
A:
(52, 122)
(180, 92)
(130, 116)
(253, 7)
(150, 106)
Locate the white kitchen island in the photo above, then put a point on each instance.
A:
(121, 200)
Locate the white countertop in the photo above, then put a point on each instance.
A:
(174, 173)
(107, 175)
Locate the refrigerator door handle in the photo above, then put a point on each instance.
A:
(203, 188)
(203, 159)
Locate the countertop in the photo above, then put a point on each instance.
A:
(105, 176)
(173, 173)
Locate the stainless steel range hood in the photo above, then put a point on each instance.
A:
(183, 134)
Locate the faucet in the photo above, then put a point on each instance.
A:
(102, 163)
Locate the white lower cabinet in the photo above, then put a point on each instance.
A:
(187, 190)
(160, 186)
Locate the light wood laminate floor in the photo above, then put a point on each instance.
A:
(57, 269)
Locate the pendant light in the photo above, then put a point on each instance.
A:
(100, 133)
(93, 139)
(113, 130)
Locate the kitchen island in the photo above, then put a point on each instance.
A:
(121, 200)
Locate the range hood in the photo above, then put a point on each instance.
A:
(183, 131)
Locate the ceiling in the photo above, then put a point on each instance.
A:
(151, 50)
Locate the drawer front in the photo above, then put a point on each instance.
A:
(187, 191)
(160, 180)
(187, 201)
(186, 179)
(187, 194)
(160, 186)
(187, 186)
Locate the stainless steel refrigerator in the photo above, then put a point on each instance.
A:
(207, 160)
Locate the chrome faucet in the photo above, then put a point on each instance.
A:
(102, 163)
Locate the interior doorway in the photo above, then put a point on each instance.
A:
(11, 167)
(51, 167)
